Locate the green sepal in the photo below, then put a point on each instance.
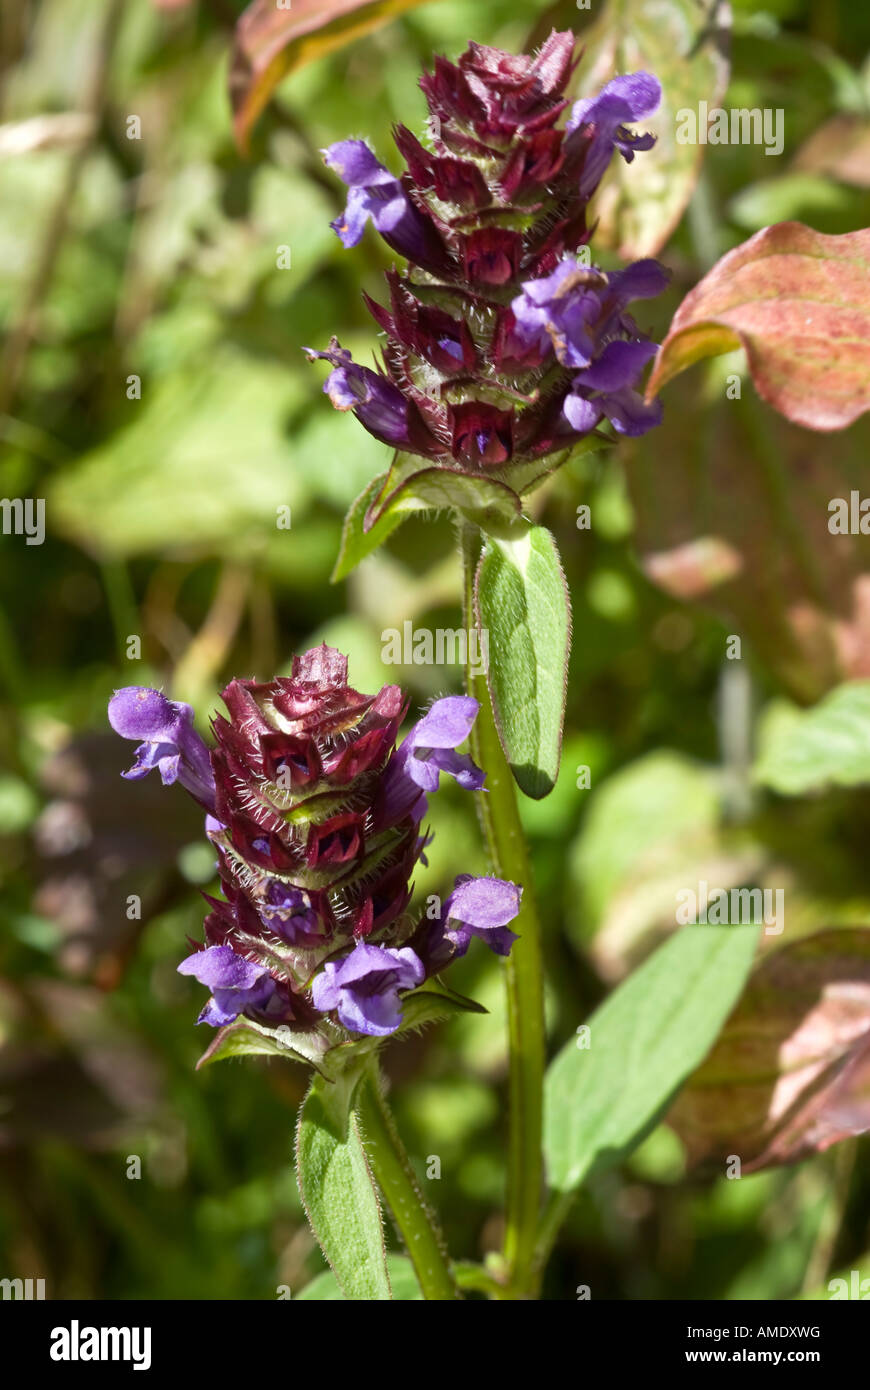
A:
(432, 1005)
(245, 1038)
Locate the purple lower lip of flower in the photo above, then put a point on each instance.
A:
(625, 409)
(364, 987)
(169, 741)
(618, 365)
(236, 984)
(480, 907)
(427, 751)
(629, 413)
(613, 374)
(556, 312)
(629, 98)
(377, 194)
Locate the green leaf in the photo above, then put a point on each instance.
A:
(620, 839)
(245, 1038)
(338, 1190)
(356, 542)
(647, 1037)
(806, 750)
(430, 1005)
(403, 1282)
(796, 300)
(412, 487)
(522, 604)
(407, 487)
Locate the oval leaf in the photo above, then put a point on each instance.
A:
(413, 486)
(647, 1037)
(245, 1038)
(522, 605)
(799, 303)
(338, 1190)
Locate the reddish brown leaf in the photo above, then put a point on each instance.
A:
(799, 303)
(790, 1073)
(271, 42)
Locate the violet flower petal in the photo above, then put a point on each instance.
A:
(170, 742)
(364, 987)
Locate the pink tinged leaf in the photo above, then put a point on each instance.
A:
(692, 569)
(799, 303)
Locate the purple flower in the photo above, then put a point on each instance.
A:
(605, 116)
(170, 742)
(377, 194)
(364, 987)
(236, 984)
(604, 388)
(290, 914)
(577, 307)
(427, 751)
(316, 868)
(430, 747)
(375, 401)
(495, 207)
(480, 907)
(558, 310)
(581, 312)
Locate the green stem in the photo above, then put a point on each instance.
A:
(506, 844)
(398, 1182)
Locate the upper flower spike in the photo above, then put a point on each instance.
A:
(481, 356)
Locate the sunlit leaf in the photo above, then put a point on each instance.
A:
(523, 608)
(338, 1189)
(245, 1038)
(799, 303)
(403, 1282)
(356, 541)
(823, 746)
(648, 1036)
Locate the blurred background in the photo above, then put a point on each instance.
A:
(154, 392)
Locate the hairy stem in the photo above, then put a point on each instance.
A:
(398, 1183)
(509, 858)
